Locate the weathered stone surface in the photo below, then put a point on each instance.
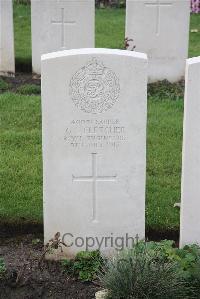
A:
(59, 25)
(7, 54)
(160, 28)
(190, 203)
(94, 105)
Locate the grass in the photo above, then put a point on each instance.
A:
(20, 133)
(110, 28)
(21, 161)
(29, 89)
(194, 48)
(3, 85)
(22, 31)
(164, 142)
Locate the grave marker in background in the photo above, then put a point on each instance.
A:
(59, 25)
(190, 201)
(7, 54)
(94, 105)
(160, 28)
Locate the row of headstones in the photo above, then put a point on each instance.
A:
(158, 28)
(94, 104)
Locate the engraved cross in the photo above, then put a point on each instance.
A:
(62, 22)
(158, 4)
(94, 178)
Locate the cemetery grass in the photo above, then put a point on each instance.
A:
(110, 28)
(21, 157)
(22, 34)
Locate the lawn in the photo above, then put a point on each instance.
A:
(20, 133)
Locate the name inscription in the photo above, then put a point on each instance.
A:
(95, 133)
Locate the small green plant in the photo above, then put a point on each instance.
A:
(164, 90)
(85, 266)
(29, 89)
(188, 259)
(2, 268)
(144, 272)
(3, 85)
(36, 241)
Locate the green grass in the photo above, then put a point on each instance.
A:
(21, 162)
(3, 85)
(110, 28)
(164, 142)
(194, 48)
(29, 89)
(22, 27)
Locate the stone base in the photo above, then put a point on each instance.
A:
(101, 294)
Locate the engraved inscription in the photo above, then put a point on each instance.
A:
(94, 178)
(94, 88)
(158, 6)
(63, 23)
(95, 133)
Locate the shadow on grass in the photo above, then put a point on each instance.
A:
(23, 65)
(22, 227)
(12, 229)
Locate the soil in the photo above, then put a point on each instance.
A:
(21, 79)
(22, 253)
(45, 280)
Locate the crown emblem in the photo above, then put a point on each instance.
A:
(95, 67)
(89, 88)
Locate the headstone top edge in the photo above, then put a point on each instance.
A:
(176, 1)
(193, 60)
(92, 1)
(97, 51)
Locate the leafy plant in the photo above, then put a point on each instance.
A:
(163, 90)
(29, 89)
(36, 241)
(3, 85)
(145, 272)
(2, 268)
(188, 260)
(85, 266)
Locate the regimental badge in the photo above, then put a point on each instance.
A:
(94, 88)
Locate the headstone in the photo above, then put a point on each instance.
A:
(7, 55)
(160, 28)
(59, 25)
(190, 203)
(94, 105)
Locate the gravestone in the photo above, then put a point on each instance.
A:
(94, 147)
(190, 201)
(59, 25)
(7, 55)
(160, 28)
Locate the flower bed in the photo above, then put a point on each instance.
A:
(195, 6)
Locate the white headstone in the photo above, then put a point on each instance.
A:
(190, 203)
(94, 105)
(160, 28)
(59, 25)
(7, 54)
